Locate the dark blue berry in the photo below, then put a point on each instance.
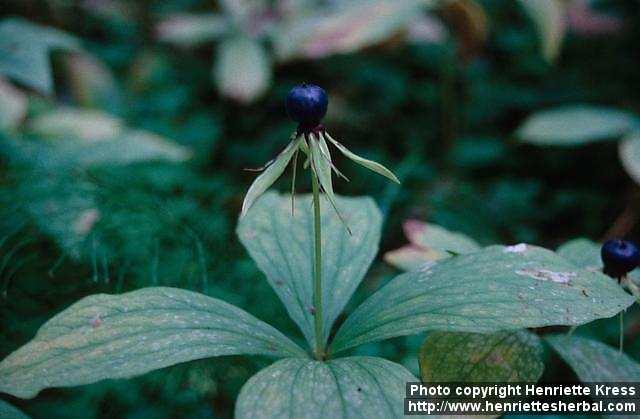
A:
(619, 257)
(307, 104)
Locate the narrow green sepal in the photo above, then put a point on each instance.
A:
(369, 164)
(270, 175)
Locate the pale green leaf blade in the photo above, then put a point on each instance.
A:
(360, 24)
(269, 176)
(24, 52)
(410, 258)
(282, 246)
(575, 125)
(242, 70)
(116, 336)
(134, 146)
(13, 106)
(594, 361)
(433, 236)
(428, 243)
(8, 411)
(87, 125)
(549, 19)
(480, 292)
(629, 151)
(186, 29)
(78, 138)
(583, 252)
(365, 387)
(514, 356)
(369, 164)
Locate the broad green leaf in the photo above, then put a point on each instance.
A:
(242, 70)
(548, 17)
(190, 29)
(9, 412)
(268, 177)
(410, 257)
(13, 105)
(282, 246)
(363, 387)
(117, 336)
(84, 138)
(359, 23)
(497, 288)
(630, 155)
(514, 356)
(131, 147)
(594, 361)
(432, 236)
(83, 124)
(24, 52)
(575, 125)
(583, 252)
(369, 164)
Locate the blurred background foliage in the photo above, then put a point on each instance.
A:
(125, 127)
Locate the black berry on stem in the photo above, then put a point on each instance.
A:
(619, 257)
(307, 105)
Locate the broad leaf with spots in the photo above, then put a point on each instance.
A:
(471, 290)
(482, 292)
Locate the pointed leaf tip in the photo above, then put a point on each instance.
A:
(119, 336)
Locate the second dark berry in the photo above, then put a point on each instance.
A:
(619, 257)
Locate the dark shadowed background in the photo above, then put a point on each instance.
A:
(125, 127)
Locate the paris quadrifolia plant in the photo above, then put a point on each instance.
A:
(307, 104)
(314, 264)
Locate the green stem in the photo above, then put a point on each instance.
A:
(317, 270)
